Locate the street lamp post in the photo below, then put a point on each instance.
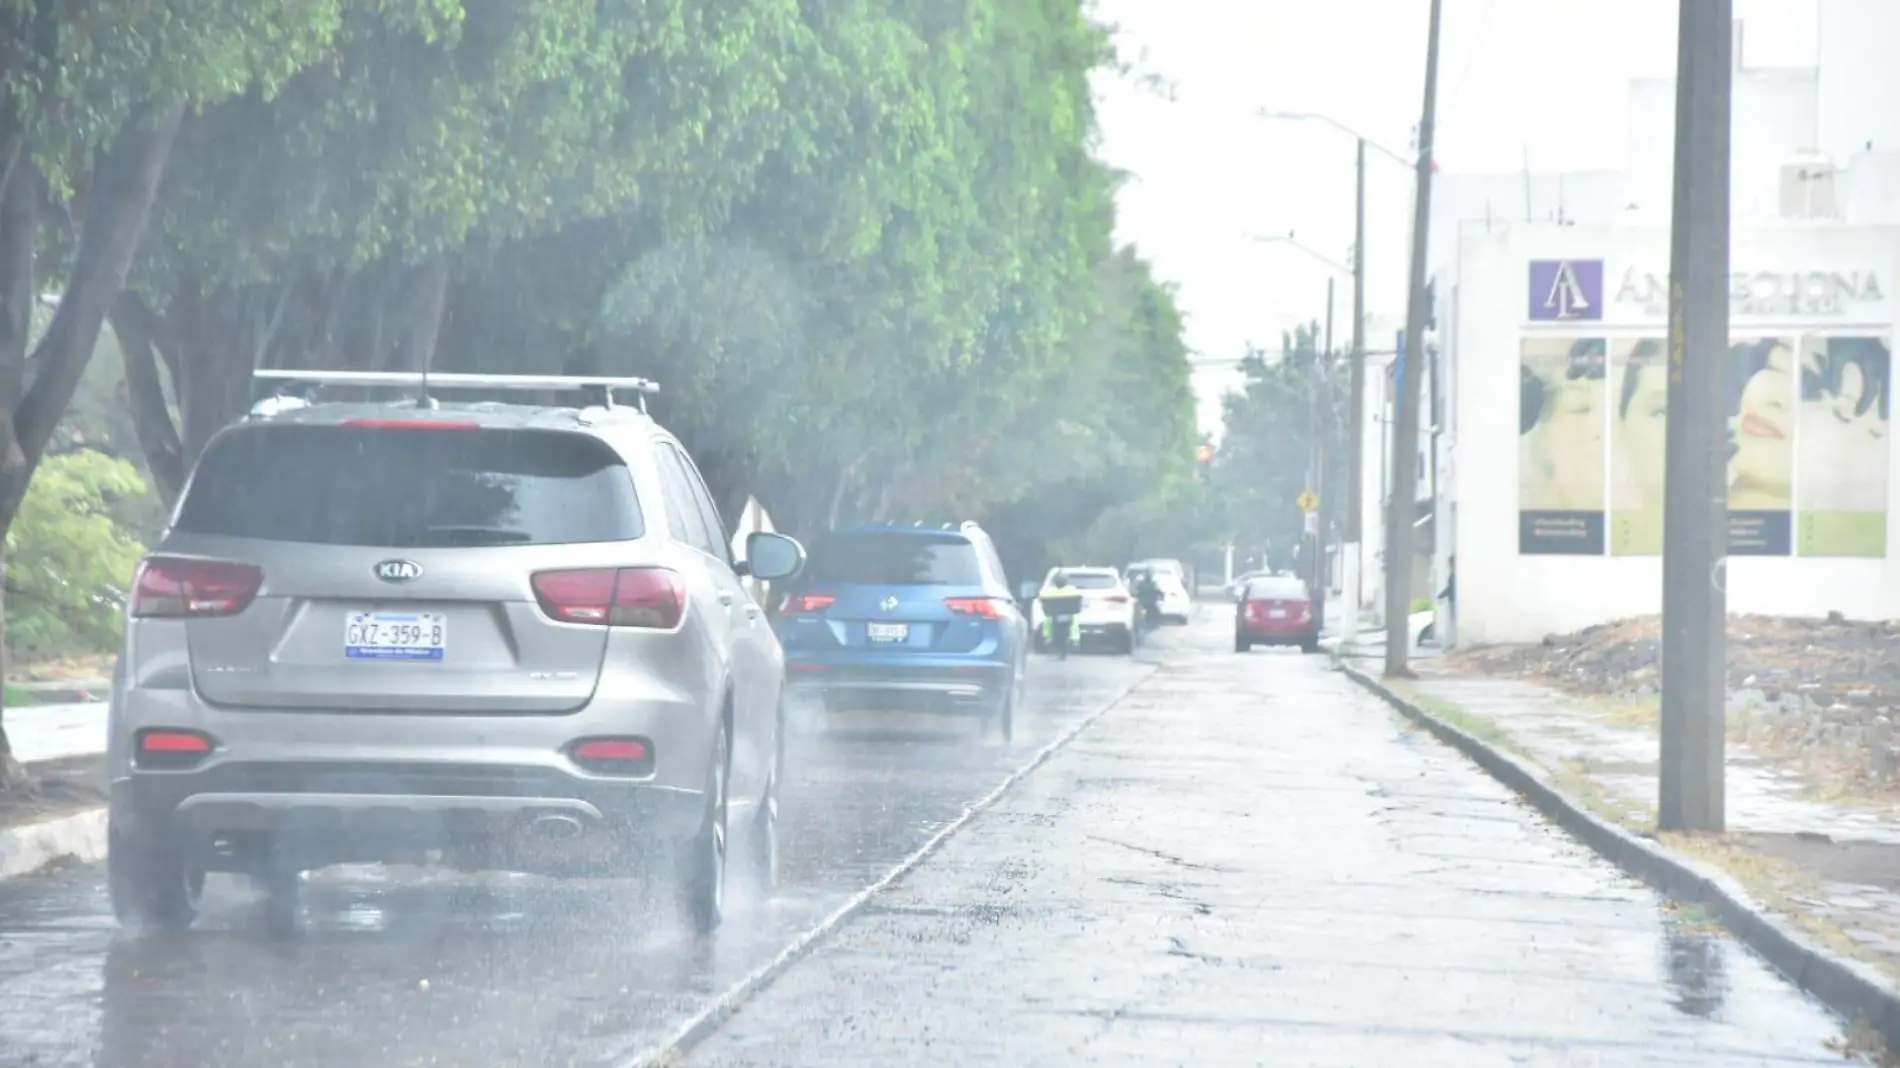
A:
(1351, 548)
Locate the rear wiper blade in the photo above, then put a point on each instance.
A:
(475, 535)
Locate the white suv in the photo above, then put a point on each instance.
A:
(515, 635)
(1108, 608)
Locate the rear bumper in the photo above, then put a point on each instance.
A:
(898, 681)
(1275, 634)
(331, 813)
(339, 786)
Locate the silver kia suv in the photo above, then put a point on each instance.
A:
(497, 635)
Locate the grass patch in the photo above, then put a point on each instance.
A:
(16, 696)
(1626, 714)
(1482, 728)
(1573, 777)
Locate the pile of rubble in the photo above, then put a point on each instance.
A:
(1825, 690)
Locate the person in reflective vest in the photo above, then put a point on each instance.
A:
(1059, 599)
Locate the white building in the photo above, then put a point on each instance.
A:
(1551, 309)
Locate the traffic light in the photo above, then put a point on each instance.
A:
(1203, 461)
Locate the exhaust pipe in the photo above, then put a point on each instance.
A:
(556, 827)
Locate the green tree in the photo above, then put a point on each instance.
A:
(91, 98)
(1271, 425)
(70, 555)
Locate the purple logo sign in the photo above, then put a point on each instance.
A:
(1566, 290)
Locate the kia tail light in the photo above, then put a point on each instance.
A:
(181, 587)
(652, 598)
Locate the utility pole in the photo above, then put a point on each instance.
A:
(1404, 494)
(1695, 510)
(1356, 417)
(1323, 426)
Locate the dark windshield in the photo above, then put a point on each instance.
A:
(895, 560)
(404, 488)
(1277, 588)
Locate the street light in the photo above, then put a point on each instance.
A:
(1353, 542)
(1400, 158)
(1288, 239)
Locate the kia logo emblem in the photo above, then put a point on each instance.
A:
(889, 604)
(398, 570)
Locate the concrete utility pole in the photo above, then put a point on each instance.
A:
(1351, 548)
(1403, 502)
(1695, 510)
(1323, 426)
(1354, 537)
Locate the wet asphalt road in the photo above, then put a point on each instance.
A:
(1245, 861)
(407, 967)
(1250, 861)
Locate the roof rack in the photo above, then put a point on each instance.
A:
(599, 388)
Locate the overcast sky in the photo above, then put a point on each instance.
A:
(1543, 78)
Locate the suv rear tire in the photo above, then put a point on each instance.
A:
(153, 884)
(702, 863)
(765, 843)
(1005, 714)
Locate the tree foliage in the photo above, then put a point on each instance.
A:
(1266, 458)
(863, 244)
(71, 553)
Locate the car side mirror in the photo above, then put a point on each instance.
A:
(1026, 592)
(772, 557)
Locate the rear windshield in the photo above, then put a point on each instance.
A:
(1092, 582)
(407, 488)
(895, 560)
(1277, 588)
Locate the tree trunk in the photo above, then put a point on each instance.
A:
(428, 298)
(136, 327)
(20, 199)
(125, 181)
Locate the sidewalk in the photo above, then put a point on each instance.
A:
(63, 747)
(1251, 862)
(1830, 865)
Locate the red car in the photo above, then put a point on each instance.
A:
(1275, 610)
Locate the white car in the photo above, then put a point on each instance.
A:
(1108, 609)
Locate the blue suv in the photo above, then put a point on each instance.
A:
(906, 617)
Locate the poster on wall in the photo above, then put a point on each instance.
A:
(1560, 495)
(1761, 392)
(1639, 427)
(1842, 446)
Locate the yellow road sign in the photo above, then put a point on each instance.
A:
(1309, 502)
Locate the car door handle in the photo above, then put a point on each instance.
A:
(752, 611)
(725, 598)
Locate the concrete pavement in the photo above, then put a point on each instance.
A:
(1252, 862)
(41, 733)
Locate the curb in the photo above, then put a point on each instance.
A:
(1855, 990)
(28, 847)
(709, 1019)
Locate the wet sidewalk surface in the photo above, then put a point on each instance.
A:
(1835, 861)
(1250, 861)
